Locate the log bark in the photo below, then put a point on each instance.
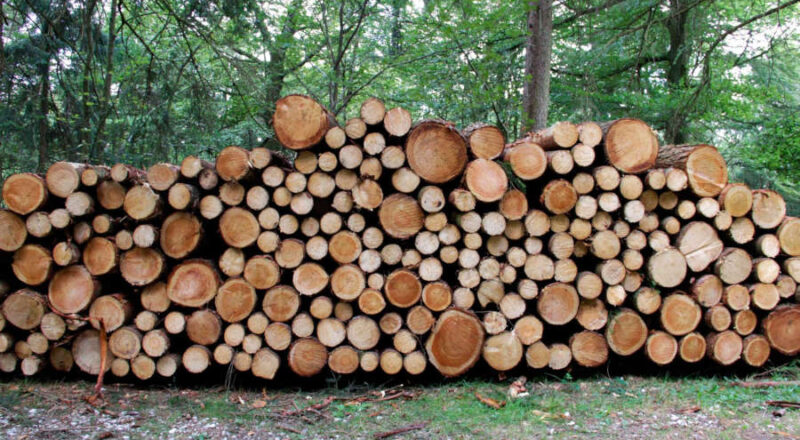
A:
(704, 166)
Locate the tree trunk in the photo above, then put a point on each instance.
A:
(538, 48)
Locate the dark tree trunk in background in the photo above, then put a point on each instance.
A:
(395, 39)
(44, 105)
(678, 69)
(105, 105)
(2, 46)
(536, 98)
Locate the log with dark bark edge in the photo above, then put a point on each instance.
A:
(486, 180)
(485, 141)
(705, 167)
(736, 199)
(436, 151)
(630, 145)
(455, 342)
(299, 122)
(559, 135)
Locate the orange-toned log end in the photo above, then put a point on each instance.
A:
(558, 303)
(782, 329)
(71, 290)
(307, 357)
(233, 163)
(436, 151)
(180, 234)
(14, 231)
(401, 216)
(486, 179)
(626, 332)
(724, 348)
(24, 193)
(485, 141)
(630, 145)
(692, 347)
(528, 160)
(239, 227)
(193, 283)
(514, 204)
(32, 264)
(589, 349)
(299, 122)
(456, 342)
(235, 300)
(755, 350)
(403, 288)
(661, 347)
(680, 314)
(559, 196)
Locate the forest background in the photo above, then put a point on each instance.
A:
(146, 81)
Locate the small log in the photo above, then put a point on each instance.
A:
(162, 176)
(265, 364)
(24, 193)
(626, 332)
(528, 160)
(436, 151)
(14, 231)
(125, 343)
(704, 166)
(733, 266)
(63, 178)
(667, 268)
(745, 322)
(502, 351)
(718, 318)
(235, 300)
(680, 314)
(192, 283)
(485, 141)
(455, 343)
(299, 122)
(630, 145)
(307, 357)
(397, 122)
(72, 289)
(557, 303)
(755, 350)
(86, 351)
(110, 312)
(699, 244)
(203, 327)
(589, 349)
(769, 209)
(559, 196)
(196, 359)
(764, 296)
(725, 348)
(281, 303)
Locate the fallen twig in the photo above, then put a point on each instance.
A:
(783, 404)
(767, 384)
(488, 401)
(408, 428)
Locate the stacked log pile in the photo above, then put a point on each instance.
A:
(393, 247)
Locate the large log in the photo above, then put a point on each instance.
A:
(299, 122)
(630, 145)
(436, 151)
(455, 342)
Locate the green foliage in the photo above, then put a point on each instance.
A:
(192, 77)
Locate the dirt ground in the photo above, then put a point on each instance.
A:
(627, 407)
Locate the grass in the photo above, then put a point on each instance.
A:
(592, 407)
